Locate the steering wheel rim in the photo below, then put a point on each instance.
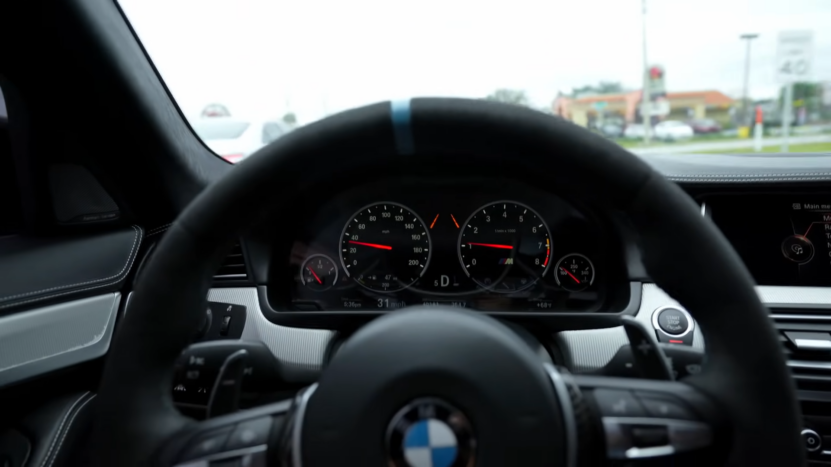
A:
(745, 373)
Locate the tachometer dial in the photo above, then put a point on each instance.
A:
(505, 246)
(319, 273)
(385, 247)
(574, 272)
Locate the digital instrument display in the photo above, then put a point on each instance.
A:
(783, 240)
(465, 244)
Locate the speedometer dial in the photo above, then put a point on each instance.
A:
(385, 247)
(505, 246)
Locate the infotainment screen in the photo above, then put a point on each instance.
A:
(783, 240)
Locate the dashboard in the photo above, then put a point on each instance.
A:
(479, 243)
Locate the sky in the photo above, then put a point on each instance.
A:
(263, 58)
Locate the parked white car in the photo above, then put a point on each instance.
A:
(634, 131)
(234, 139)
(672, 130)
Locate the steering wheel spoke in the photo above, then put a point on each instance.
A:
(250, 438)
(647, 420)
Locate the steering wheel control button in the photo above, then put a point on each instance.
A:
(643, 438)
(798, 249)
(812, 440)
(618, 403)
(250, 433)
(661, 406)
(673, 321)
(649, 436)
(430, 433)
(208, 443)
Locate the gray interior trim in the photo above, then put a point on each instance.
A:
(45, 339)
(593, 349)
(300, 351)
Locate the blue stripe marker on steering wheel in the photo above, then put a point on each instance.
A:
(401, 127)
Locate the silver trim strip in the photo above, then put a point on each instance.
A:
(808, 365)
(231, 276)
(794, 297)
(569, 419)
(46, 339)
(801, 317)
(690, 327)
(812, 344)
(297, 431)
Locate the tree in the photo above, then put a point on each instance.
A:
(603, 87)
(509, 96)
(805, 94)
(290, 118)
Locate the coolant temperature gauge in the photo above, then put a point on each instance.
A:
(319, 273)
(574, 272)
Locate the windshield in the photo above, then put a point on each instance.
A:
(736, 76)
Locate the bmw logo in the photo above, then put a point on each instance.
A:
(430, 433)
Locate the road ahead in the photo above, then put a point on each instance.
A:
(684, 148)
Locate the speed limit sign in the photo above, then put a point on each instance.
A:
(794, 55)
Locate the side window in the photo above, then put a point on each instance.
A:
(11, 213)
(271, 131)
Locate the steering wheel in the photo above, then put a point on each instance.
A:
(430, 386)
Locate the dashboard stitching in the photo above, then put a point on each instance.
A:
(126, 268)
(756, 178)
(794, 174)
(61, 426)
(68, 428)
(158, 230)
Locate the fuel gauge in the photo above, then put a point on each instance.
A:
(574, 272)
(319, 273)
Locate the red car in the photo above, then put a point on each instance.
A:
(705, 125)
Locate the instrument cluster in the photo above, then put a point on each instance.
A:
(481, 244)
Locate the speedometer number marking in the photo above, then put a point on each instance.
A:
(387, 249)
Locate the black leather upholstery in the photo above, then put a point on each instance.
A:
(39, 269)
(57, 428)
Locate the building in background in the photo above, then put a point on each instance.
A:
(682, 106)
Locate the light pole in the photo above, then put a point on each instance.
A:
(748, 38)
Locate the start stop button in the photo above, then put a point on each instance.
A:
(673, 321)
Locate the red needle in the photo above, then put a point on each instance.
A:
(316, 278)
(373, 245)
(570, 274)
(493, 245)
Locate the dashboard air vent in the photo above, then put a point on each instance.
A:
(233, 266)
(806, 339)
